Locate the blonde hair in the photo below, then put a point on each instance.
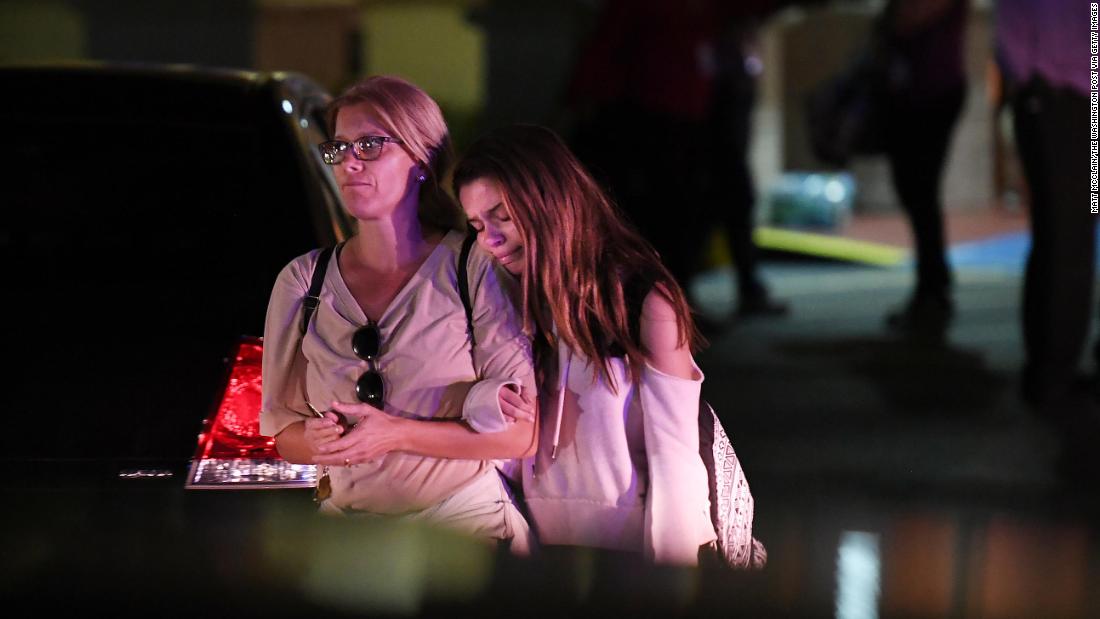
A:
(409, 114)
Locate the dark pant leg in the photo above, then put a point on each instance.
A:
(1052, 138)
(650, 164)
(920, 135)
(672, 152)
(740, 224)
(731, 195)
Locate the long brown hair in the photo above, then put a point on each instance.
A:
(580, 252)
(406, 112)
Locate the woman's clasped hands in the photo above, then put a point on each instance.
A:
(352, 433)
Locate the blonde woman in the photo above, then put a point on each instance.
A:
(385, 359)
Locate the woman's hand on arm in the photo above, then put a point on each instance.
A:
(376, 434)
(456, 439)
(516, 404)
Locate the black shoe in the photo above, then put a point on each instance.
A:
(1073, 407)
(924, 315)
(1077, 461)
(761, 305)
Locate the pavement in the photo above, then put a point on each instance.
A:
(864, 448)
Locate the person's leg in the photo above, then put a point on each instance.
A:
(483, 508)
(738, 220)
(732, 194)
(1057, 300)
(679, 226)
(628, 162)
(918, 152)
(1051, 130)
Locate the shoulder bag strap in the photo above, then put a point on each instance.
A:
(313, 297)
(464, 283)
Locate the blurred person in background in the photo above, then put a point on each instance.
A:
(729, 196)
(925, 88)
(1042, 50)
(663, 95)
(418, 416)
(618, 464)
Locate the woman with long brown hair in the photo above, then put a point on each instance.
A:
(618, 462)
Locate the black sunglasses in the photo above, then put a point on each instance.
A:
(365, 343)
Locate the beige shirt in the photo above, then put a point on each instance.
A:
(425, 361)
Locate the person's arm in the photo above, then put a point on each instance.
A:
(375, 434)
(677, 517)
(661, 338)
(291, 444)
(302, 441)
(493, 423)
(502, 353)
(283, 412)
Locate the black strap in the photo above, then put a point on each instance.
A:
(464, 283)
(313, 297)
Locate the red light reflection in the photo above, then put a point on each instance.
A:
(234, 432)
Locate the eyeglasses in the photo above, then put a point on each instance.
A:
(365, 343)
(366, 148)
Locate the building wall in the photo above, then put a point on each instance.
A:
(214, 33)
(435, 45)
(41, 32)
(323, 41)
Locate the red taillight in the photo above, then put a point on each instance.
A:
(231, 452)
(235, 430)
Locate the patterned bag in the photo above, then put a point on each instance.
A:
(731, 502)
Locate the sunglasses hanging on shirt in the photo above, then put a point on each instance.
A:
(365, 343)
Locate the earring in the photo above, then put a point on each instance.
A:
(421, 178)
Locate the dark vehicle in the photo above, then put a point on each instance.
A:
(147, 212)
(147, 215)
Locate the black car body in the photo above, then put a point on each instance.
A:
(147, 212)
